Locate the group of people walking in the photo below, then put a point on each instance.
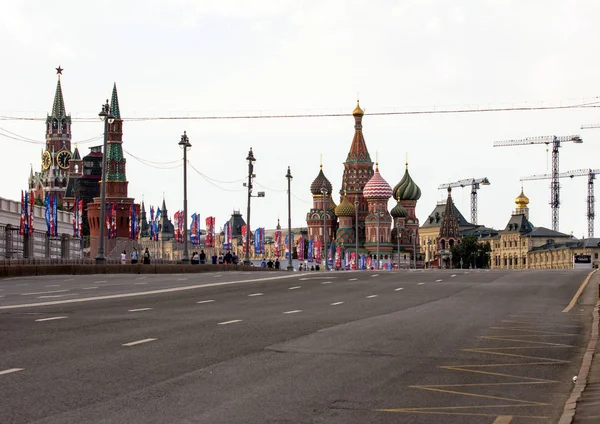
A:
(135, 256)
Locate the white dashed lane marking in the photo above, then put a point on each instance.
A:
(399, 288)
(294, 288)
(140, 284)
(295, 311)
(54, 296)
(49, 319)
(53, 285)
(352, 279)
(326, 282)
(139, 310)
(137, 342)
(453, 275)
(89, 288)
(44, 292)
(336, 303)
(69, 279)
(420, 284)
(437, 281)
(303, 279)
(182, 279)
(255, 294)
(375, 275)
(233, 321)
(141, 278)
(371, 296)
(11, 370)
(206, 301)
(101, 281)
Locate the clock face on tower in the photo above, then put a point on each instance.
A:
(46, 160)
(63, 158)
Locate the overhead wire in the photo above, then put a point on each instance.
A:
(210, 182)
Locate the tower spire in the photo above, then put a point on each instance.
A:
(114, 103)
(58, 107)
(358, 149)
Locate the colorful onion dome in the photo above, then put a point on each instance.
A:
(319, 183)
(377, 187)
(398, 211)
(357, 110)
(346, 208)
(407, 189)
(522, 201)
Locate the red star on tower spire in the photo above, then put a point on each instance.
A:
(59, 70)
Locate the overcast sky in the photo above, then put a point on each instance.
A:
(232, 57)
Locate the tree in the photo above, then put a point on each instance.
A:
(472, 253)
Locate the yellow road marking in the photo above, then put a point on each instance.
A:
(522, 341)
(438, 408)
(540, 324)
(503, 419)
(527, 330)
(492, 349)
(581, 288)
(536, 417)
(491, 352)
(494, 373)
(519, 383)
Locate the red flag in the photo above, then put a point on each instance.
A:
(22, 221)
(31, 203)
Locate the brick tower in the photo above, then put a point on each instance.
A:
(116, 186)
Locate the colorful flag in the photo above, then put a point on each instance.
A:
(176, 226)
(310, 250)
(318, 251)
(259, 241)
(227, 236)
(47, 213)
(74, 220)
(244, 241)
(301, 248)
(31, 205)
(151, 222)
(289, 247)
(194, 239)
(338, 257)
(22, 221)
(277, 244)
(210, 232)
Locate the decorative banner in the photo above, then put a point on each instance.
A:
(288, 244)
(310, 250)
(194, 226)
(74, 220)
(176, 226)
(133, 224)
(55, 209)
(156, 220)
(47, 214)
(113, 222)
(210, 232)
(259, 241)
(244, 241)
(369, 262)
(22, 220)
(318, 248)
(353, 261)
(301, 248)
(108, 220)
(151, 222)
(31, 205)
(277, 243)
(181, 222)
(227, 232)
(338, 257)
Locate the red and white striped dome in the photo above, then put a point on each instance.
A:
(377, 187)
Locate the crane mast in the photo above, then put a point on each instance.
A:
(475, 184)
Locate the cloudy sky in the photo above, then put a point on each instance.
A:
(185, 58)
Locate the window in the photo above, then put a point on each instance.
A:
(595, 255)
(524, 261)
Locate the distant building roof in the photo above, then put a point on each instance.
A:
(545, 232)
(435, 217)
(480, 231)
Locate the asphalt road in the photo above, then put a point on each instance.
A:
(340, 347)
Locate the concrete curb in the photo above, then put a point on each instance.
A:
(584, 371)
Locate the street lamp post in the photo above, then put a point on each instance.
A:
(184, 143)
(250, 160)
(108, 119)
(356, 227)
(324, 193)
(378, 213)
(289, 177)
(398, 239)
(414, 237)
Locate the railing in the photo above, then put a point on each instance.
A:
(37, 246)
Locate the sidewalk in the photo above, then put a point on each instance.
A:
(587, 410)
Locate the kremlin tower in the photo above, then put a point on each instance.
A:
(116, 185)
(54, 173)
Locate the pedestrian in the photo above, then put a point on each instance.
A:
(202, 257)
(270, 263)
(146, 257)
(214, 258)
(123, 257)
(263, 264)
(300, 269)
(134, 256)
(277, 263)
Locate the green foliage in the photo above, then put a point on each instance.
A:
(472, 253)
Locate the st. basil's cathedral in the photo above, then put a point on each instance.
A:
(365, 188)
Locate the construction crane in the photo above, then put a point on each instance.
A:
(556, 143)
(589, 127)
(591, 174)
(474, 183)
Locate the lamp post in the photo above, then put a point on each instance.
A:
(324, 193)
(378, 213)
(184, 143)
(250, 160)
(289, 177)
(106, 116)
(398, 239)
(356, 226)
(414, 240)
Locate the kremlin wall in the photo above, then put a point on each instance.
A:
(360, 222)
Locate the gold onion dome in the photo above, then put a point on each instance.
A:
(407, 189)
(398, 211)
(319, 183)
(377, 187)
(357, 110)
(522, 201)
(346, 208)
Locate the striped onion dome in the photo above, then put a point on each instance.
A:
(398, 211)
(346, 208)
(407, 189)
(377, 187)
(321, 182)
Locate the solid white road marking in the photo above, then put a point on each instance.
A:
(11, 370)
(69, 279)
(206, 301)
(255, 294)
(326, 282)
(303, 279)
(295, 311)
(89, 288)
(101, 281)
(54, 296)
(49, 319)
(233, 321)
(182, 279)
(218, 275)
(294, 288)
(336, 303)
(420, 284)
(1, 296)
(399, 288)
(139, 310)
(375, 275)
(53, 285)
(371, 296)
(139, 284)
(453, 275)
(352, 279)
(44, 292)
(146, 293)
(437, 281)
(137, 342)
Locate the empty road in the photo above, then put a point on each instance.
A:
(461, 346)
